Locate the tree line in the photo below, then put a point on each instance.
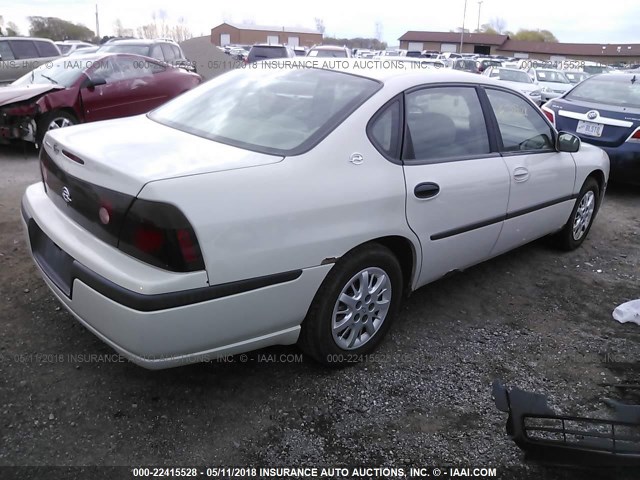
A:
(58, 29)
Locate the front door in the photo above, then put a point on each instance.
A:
(542, 179)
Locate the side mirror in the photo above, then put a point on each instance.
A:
(91, 83)
(567, 142)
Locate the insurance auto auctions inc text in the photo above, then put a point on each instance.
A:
(362, 472)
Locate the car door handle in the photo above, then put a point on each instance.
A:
(426, 190)
(520, 174)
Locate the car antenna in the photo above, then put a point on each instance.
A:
(633, 80)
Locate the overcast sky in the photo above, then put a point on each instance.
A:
(613, 21)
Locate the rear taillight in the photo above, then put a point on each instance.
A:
(635, 136)
(159, 234)
(550, 115)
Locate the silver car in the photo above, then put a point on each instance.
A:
(517, 79)
(553, 83)
(20, 55)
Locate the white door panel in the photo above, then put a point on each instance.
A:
(542, 179)
(547, 177)
(450, 225)
(526, 228)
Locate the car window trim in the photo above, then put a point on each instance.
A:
(493, 151)
(496, 126)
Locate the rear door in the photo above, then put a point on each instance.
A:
(457, 184)
(541, 178)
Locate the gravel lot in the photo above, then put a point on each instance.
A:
(537, 318)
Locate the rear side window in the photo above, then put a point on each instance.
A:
(5, 51)
(46, 49)
(522, 127)
(384, 130)
(176, 51)
(168, 52)
(280, 112)
(444, 122)
(23, 49)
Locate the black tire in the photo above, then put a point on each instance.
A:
(44, 122)
(565, 239)
(316, 337)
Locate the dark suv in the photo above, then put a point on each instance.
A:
(164, 50)
(268, 52)
(20, 55)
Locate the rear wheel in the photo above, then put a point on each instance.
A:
(582, 216)
(354, 307)
(52, 121)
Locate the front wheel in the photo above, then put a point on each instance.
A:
(52, 121)
(354, 307)
(582, 216)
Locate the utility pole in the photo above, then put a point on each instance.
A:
(97, 23)
(464, 14)
(479, 7)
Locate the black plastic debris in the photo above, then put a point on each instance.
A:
(547, 437)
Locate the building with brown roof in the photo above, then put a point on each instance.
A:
(239, 34)
(492, 44)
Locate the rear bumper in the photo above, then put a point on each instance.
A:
(625, 163)
(170, 329)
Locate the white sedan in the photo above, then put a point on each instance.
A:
(282, 205)
(517, 79)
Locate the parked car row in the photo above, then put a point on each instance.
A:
(86, 88)
(19, 55)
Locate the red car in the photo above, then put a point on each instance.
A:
(86, 89)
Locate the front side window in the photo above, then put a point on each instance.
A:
(282, 112)
(168, 52)
(156, 52)
(522, 127)
(444, 122)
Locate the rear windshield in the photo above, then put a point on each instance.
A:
(64, 48)
(328, 53)
(280, 112)
(134, 49)
(265, 53)
(617, 90)
(513, 75)
(551, 76)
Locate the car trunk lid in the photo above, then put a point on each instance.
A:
(618, 123)
(124, 154)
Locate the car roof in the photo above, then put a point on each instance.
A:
(363, 68)
(27, 38)
(328, 47)
(135, 41)
(509, 68)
